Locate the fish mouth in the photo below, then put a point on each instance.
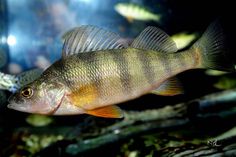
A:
(17, 107)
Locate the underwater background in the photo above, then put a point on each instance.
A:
(193, 124)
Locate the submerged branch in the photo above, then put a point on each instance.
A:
(218, 105)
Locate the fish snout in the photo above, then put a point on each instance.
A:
(15, 103)
(18, 107)
(11, 98)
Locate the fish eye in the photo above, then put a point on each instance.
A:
(27, 92)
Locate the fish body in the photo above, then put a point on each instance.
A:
(133, 11)
(96, 72)
(114, 76)
(182, 40)
(97, 79)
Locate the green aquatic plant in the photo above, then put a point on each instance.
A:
(226, 83)
(231, 132)
(183, 39)
(35, 143)
(39, 120)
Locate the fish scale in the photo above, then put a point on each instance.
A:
(127, 77)
(91, 82)
(111, 73)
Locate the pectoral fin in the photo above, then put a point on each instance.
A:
(169, 88)
(107, 112)
(84, 96)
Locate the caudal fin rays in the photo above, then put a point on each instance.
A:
(211, 48)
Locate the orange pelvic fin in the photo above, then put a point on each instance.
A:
(169, 88)
(107, 112)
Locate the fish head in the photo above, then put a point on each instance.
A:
(121, 8)
(38, 97)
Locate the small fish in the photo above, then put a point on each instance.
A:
(182, 40)
(133, 12)
(215, 72)
(96, 71)
(14, 82)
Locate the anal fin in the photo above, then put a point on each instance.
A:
(107, 112)
(170, 87)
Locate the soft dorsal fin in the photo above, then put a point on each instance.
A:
(88, 39)
(169, 88)
(153, 38)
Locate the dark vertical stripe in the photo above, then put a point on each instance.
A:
(165, 62)
(92, 68)
(81, 64)
(122, 64)
(62, 69)
(147, 68)
(181, 60)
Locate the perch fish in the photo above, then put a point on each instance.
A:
(133, 12)
(96, 71)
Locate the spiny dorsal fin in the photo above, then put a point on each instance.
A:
(169, 88)
(107, 112)
(88, 39)
(153, 38)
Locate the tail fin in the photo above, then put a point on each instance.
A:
(211, 47)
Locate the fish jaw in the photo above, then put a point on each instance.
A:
(28, 107)
(18, 107)
(16, 104)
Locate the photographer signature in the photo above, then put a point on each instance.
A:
(213, 143)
